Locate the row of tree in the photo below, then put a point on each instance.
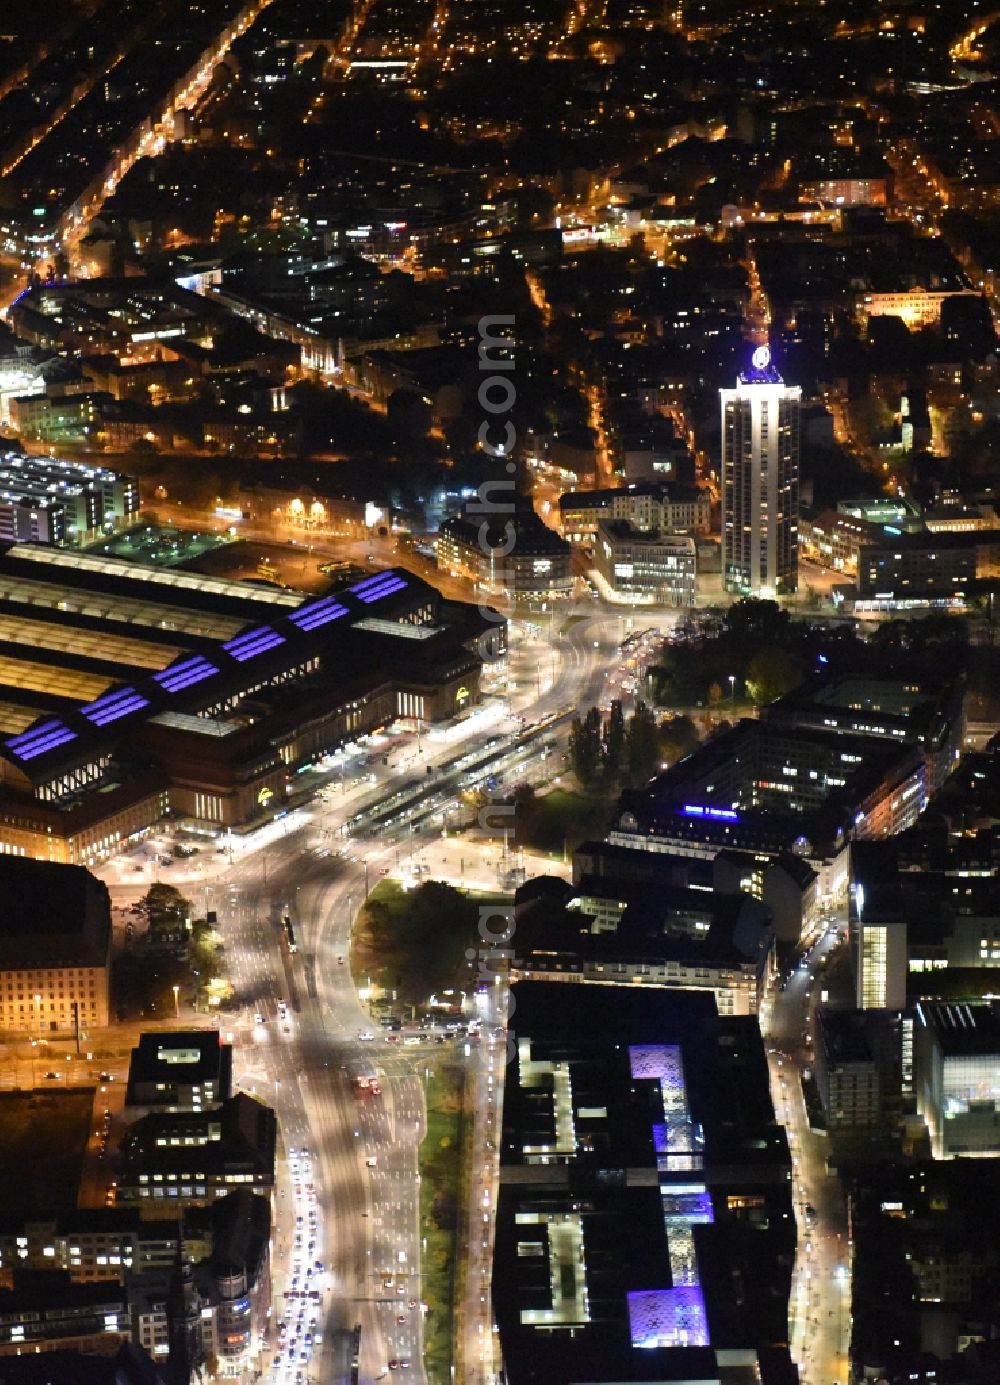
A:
(631, 749)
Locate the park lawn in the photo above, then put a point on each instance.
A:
(441, 1216)
(43, 1139)
(561, 819)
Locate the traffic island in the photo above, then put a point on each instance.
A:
(441, 1215)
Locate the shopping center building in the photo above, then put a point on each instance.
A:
(129, 693)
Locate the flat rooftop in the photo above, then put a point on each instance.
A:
(628, 1117)
(844, 1037)
(185, 1056)
(53, 915)
(962, 1030)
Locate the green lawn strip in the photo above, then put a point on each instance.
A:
(441, 1217)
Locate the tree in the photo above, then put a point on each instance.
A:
(614, 739)
(643, 745)
(678, 680)
(771, 673)
(678, 736)
(585, 746)
(421, 938)
(756, 619)
(167, 911)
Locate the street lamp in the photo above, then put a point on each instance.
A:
(732, 689)
(38, 1013)
(177, 1008)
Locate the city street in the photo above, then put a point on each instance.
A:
(363, 1149)
(821, 1287)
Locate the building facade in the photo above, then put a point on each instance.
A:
(879, 956)
(760, 482)
(518, 555)
(46, 500)
(956, 1069)
(227, 1284)
(55, 949)
(917, 307)
(675, 509)
(91, 1244)
(46, 1310)
(847, 1074)
(648, 564)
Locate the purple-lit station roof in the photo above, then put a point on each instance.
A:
(129, 618)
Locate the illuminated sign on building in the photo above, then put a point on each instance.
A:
(699, 810)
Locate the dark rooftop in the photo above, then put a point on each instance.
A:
(54, 915)
(844, 1036)
(185, 1056)
(963, 1030)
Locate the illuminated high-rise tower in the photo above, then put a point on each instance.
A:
(760, 482)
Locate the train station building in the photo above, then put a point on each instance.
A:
(129, 694)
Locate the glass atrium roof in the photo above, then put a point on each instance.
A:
(93, 644)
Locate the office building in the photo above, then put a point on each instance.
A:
(929, 564)
(760, 482)
(228, 1287)
(926, 712)
(646, 565)
(226, 1244)
(46, 500)
(92, 1243)
(857, 1069)
(197, 1156)
(956, 1073)
(831, 764)
(46, 1310)
(515, 554)
(835, 540)
(625, 933)
(878, 952)
(786, 885)
(674, 509)
(183, 1070)
(925, 912)
(644, 1228)
(55, 948)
